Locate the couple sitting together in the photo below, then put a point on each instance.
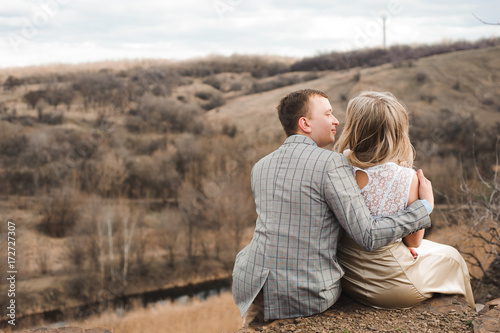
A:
(358, 215)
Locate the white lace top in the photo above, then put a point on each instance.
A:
(388, 188)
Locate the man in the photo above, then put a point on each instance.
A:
(305, 195)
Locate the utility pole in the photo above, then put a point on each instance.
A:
(383, 28)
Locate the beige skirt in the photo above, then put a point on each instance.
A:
(390, 278)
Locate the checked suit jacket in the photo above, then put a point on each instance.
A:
(305, 196)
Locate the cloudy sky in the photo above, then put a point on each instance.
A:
(36, 32)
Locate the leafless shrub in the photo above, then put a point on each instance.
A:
(140, 241)
(227, 82)
(229, 130)
(97, 89)
(235, 86)
(12, 139)
(12, 83)
(279, 81)
(191, 204)
(40, 106)
(189, 155)
(158, 80)
(395, 54)
(171, 228)
(258, 66)
(40, 149)
(210, 99)
(57, 95)
(227, 211)
(19, 181)
(428, 98)
(60, 213)
(163, 114)
(66, 97)
(488, 101)
(444, 179)
(32, 97)
(52, 118)
(78, 247)
(43, 261)
(421, 77)
(480, 210)
(145, 146)
(86, 249)
(105, 176)
(154, 175)
(84, 287)
(214, 82)
(204, 95)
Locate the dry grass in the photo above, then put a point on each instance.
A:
(217, 314)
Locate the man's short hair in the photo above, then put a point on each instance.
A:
(294, 106)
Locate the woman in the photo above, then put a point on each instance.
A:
(376, 142)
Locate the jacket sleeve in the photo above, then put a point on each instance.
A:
(344, 198)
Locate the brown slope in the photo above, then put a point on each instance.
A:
(465, 82)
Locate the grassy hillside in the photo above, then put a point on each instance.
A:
(464, 82)
(125, 177)
(453, 100)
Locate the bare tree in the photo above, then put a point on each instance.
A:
(53, 95)
(191, 204)
(171, 224)
(125, 220)
(66, 97)
(40, 106)
(108, 219)
(104, 177)
(97, 89)
(140, 241)
(32, 97)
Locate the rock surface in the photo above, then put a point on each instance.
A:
(488, 287)
(66, 330)
(488, 319)
(440, 314)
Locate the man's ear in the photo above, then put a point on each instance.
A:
(304, 125)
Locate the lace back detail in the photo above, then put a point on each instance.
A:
(388, 188)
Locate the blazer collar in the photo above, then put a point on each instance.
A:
(299, 139)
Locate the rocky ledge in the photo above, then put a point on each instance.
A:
(440, 314)
(66, 330)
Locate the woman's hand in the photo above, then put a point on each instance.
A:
(425, 188)
(413, 252)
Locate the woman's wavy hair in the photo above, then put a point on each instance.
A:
(376, 131)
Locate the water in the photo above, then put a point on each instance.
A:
(123, 304)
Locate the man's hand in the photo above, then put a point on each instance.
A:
(425, 188)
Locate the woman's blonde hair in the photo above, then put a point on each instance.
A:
(376, 131)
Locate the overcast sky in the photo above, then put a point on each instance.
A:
(36, 32)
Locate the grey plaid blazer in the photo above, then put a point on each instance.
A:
(305, 196)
